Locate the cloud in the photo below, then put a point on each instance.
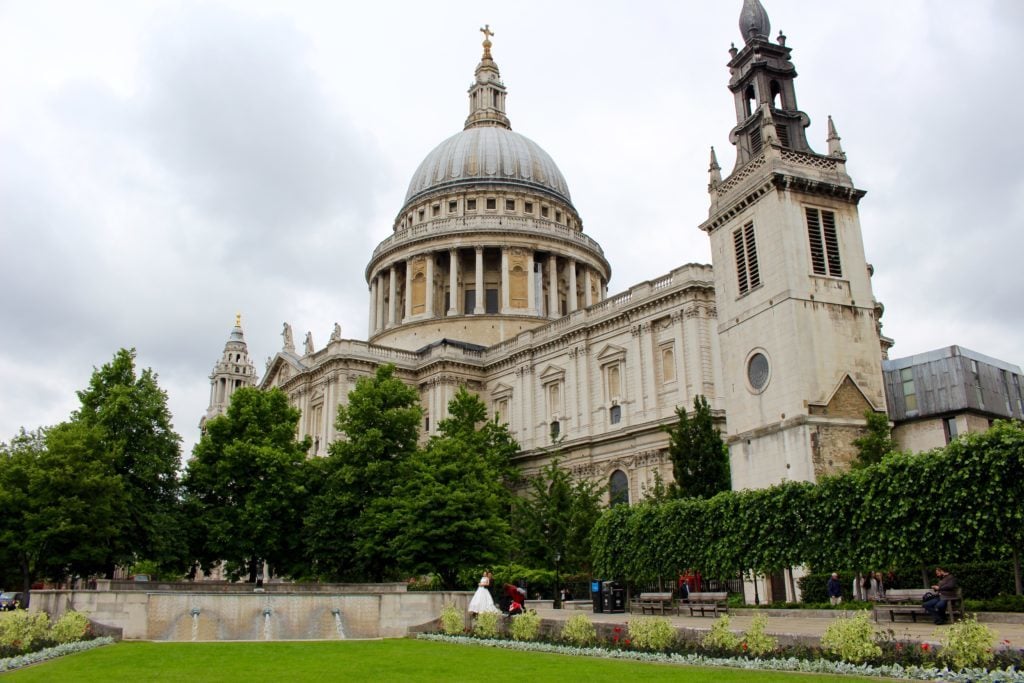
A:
(250, 143)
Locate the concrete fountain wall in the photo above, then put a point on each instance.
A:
(206, 616)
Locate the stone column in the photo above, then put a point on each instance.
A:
(479, 308)
(408, 288)
(453, 282)
(552, 286)
(430, 286)
(572, 298)
(380, 302)
(325, 427)
(373, 306)
(531, 286)
(639, 391)
(588, 298)
(680, 356)
(694, 353)
(505, 303)
(393, 294)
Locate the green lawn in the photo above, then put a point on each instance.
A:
(381, 660)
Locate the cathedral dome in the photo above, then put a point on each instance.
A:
(488, 154)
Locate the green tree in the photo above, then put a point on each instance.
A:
(245, 484)
(555, 518)
(876, 442)
(450, 510)
(61, 507)
(138, 440)
(700, 461)
(346, 534)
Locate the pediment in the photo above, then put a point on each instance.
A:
(282, 368)
(846, 400)
(552, 373)
(610, 354)
(501, 391)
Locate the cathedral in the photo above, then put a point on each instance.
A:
(489, 281)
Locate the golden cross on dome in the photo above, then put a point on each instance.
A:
(486, 30)
(238, 319)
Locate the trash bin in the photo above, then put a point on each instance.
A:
(613, 596)
(595, 594)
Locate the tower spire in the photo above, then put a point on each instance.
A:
(714, 170)
(763, 84)
(487, 94)
(835, 149)
(754, 21)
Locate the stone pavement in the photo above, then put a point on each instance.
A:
(798, 625)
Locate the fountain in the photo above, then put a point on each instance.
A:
(337, 623)
(266, 623)
(215, 611)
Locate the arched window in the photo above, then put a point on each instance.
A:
(777, 102)
(749, 100)
(618, 488)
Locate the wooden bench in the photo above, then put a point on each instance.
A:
(653, 601)
(906, 602)
(706, 603)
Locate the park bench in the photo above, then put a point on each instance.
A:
(653, 601)
(707, 602)
(907, 602)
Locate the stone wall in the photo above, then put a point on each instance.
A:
(170, 615)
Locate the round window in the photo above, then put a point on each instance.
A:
(757, 371)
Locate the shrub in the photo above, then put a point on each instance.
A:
(756, 640)
(579, 631)
(1000, 603)
(720, 638)
(486, 625)
(526, 626)
(853, 639)
(452, 621)
(652, 634)
(70, 627)
(22, 631)
(967, 644)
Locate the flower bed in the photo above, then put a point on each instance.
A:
(968, 651)
(11, 663)
(791, 664)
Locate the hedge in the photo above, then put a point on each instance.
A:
(960, 504)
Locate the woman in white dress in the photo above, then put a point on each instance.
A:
(482, 600)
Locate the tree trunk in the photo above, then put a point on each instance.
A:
(1016, 573)
(26, 579)
(792, 584)
(924, 577)
(252, 570)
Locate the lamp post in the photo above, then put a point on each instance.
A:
(558, 591)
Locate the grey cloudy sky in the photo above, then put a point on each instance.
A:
(164, 165)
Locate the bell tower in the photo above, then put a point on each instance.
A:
(233, 371)
(800, 343)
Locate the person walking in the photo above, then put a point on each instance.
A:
(835, 591)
